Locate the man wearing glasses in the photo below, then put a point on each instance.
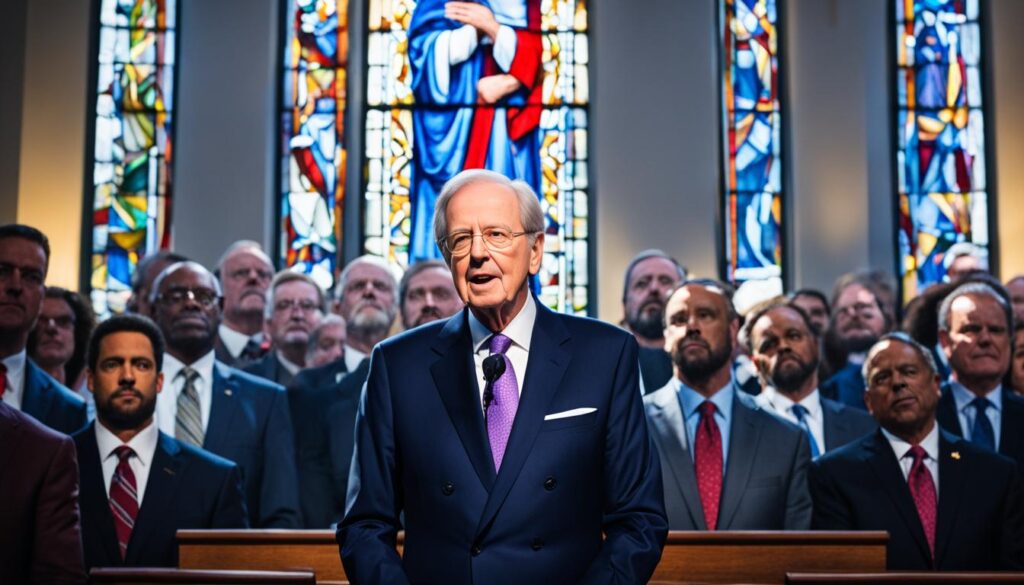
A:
(213, 406)
(857, 322)
(294, 307)
(509, 441)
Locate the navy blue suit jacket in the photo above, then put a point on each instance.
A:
(980, 523)
(844, 424)
(846, 386)
(50, 402)
(269, 368)
(187, 488)
(422, 450)
(1011, 427)
(250, 425)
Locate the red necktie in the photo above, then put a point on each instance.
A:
(3, 380)
(922, 488)
(124, 501)
(707, 459)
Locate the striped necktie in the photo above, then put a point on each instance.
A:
(124, 500)
(188, 422)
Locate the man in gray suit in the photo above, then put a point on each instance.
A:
(727, 464)
(784, 346)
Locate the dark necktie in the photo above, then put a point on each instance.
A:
(922, 488)
(707, 459)
(124, 500)
(982, 433)
(800, 412)
(252, 350)
(501, 412)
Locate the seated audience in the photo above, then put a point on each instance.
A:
(946, 503)
(24, 386)
(140, 486)
(295, 304)
(58, 342)
(427, 293)
(858, 320)
(244, 271)
(963, 258)
(650, 276)
(815, 305)
(727, 464)
(784, 346)
(207, 404)
(326, 341)
(145, 273)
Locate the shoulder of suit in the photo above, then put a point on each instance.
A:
(772, 420)
(966, 450)
(246, 381)
(424, 334)
(201, 458)
(847, 454)
(66, 394)
(1013, 402)
(662, 396)
(35, 430)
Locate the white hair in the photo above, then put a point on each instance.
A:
(372, 260)
(247, 245)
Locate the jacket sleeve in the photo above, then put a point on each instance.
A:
(279, 496)
(798, 497)
(57, 541)
(230, 511)
(830, 511)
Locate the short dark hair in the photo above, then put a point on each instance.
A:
(811, 292)
(646, 254)
(139, 276)
(27, 232)
(128, 322)
(761, 310)
(421, 266)
(901, 336)
(85, 320)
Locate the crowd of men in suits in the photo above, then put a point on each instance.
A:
(239, 397)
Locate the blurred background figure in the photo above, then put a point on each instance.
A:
(142, 279)
(858, 320)
(326, 341)
(295, 304)
(814, 303)
(963, 258)
(650, 277)
(244, 271)
(427, 293)
(60, 338)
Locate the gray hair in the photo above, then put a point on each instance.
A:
(900, 336)
(159, 280)
(530, 213)
(979, 289)
(650, 253)
(250, 245)
(962, 249)
(314, 335)
(286, 276)
(370, 259)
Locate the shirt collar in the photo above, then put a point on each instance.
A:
(782, 403)
(930, 444)
(691, 399)
(15, 364)
(353, 357)
(203, 366)
(292, 367)
(964, 397)
(520, 330)
(143, 443)
(235, 341)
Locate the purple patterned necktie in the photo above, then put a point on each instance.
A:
(502, 409)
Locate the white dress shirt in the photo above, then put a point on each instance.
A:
(353, 357)
(519, 330)
(967, 413)
(144, 446)
(15, 379)
(930, 444)
(167, 400)
(782, 405)
(235, 341)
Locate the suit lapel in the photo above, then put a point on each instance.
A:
(946, 414)
(95, 506)
(836, 427)
(222, 409)
(545, 368)
(884, 464)
(669, 431)
(156, 501)
(743, 437)
(951, 491)
(455, 378)
(36, 399)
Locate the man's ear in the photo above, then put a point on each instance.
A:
(536, 253)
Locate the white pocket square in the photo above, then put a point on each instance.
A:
(568, 413)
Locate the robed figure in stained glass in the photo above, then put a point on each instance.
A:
(477, 85)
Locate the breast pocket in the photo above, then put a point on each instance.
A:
(569, 422)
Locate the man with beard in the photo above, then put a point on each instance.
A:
(210, 405)
(650, 277)
(728, 463)
(784, 346)
(140, 486)
(295, 305)
(426, 293)
(858, 320)
(244, 271)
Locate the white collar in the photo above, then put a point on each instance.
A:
(782, 403)
(203, 366)
(930, 444)
(353, 357)
(292, 367)
(15, 364)
(235, 341)
(143, 443)
(963, 397)
(519, 330)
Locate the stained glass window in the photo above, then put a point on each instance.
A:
(426, 121)
(940, 152)
(132, 153)
(752, 127)
(312, 124)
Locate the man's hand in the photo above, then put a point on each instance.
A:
(492, 88)
(476, 15)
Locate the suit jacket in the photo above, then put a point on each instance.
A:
(270, 368)
(844, 424)
(323, 409)
(223, 355)
(250, 425)
(980, 524)
(765, 484)
(846, 386)
(50, 402)
(655, 368)
(422, 450)
(187, 488)
(1011, 427)
(40, 538)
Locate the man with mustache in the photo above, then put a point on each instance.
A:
(650, 276)
(426, 293)
(975, 329)
(244, 271)
(946, 503)
(140, 486)
(783, 343)
(858, 320)
(211, 405)
(728, 463)
(294, 307)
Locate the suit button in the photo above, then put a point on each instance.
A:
(475, 551)
(537, 544)
(550, 483)
(448, 488)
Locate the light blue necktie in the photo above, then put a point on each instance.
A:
(800, 411)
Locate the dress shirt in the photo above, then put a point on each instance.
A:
(15, 379)
(519, 330)
(690, 401)
(857, 358)
(930, 444)
(782, 405)
(235, 341)
(967, 413)
(167, 401)
(292, 367)
(353, 357)
(144, 446)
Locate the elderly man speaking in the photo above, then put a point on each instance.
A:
(510, 437)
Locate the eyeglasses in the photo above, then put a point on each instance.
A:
(204, 296)
(307, 306)
(495, 238)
